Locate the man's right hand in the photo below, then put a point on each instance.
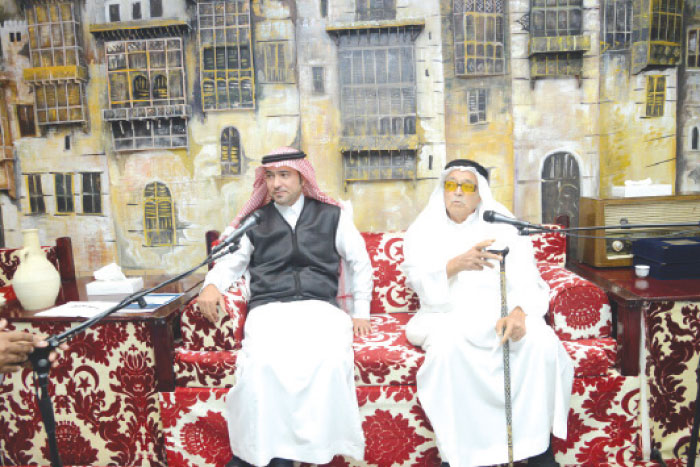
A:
(473, 259)
(208, 300)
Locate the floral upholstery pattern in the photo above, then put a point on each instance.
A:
(577, 308)
(105, 401)
(390, 294)
(603, 423)
(383, 358)
(672, 349)
(603, 426)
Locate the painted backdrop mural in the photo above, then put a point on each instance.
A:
(134, 126)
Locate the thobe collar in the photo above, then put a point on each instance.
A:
(291, 213)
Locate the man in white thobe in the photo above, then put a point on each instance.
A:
(294, 397)
(459, 325)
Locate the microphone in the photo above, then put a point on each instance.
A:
(493, 217)
(250, 222)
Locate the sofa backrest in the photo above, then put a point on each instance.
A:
(390, 293)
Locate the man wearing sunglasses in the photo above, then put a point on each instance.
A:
(460, 384)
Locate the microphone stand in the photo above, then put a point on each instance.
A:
(39, 357)
(531, 229)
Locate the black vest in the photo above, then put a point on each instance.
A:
(300, 264)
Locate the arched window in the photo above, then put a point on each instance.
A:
(230, 151)
(561, 189)
(694, 135)
(141, 91)
(158, 215)
(160, 87)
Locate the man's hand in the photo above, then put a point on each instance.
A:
(473, 260)
(513, 324)
(361, 327)
(15, 347)
(208, 300)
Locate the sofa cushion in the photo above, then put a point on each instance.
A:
(390, 293)
(550, 247)
(385, 357)
(197, 368)
(199, 334)
(578, 309)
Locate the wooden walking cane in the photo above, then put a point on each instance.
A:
(506, 355)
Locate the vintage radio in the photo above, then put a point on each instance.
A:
(616, 250)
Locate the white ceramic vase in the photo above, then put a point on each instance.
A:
(36, 281)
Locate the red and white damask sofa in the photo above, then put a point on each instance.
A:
(603, 422)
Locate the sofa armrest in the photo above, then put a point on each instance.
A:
(199, 334)
(578, 309)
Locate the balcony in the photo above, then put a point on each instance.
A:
(147, 113)
(55, 73)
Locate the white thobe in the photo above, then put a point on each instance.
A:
(460, 384)
(294, 396)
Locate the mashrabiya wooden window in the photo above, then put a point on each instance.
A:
(63, 191)
(476, 102)
(666, 21)
(92, 192)
(149, 134)
(230, 151)
(656, 96)
(36, 195)
(372, 10)
(377, 83)
(226, 64)
(479, 37)
(158, 215)
(379, 165)
(616, 24)
(54, 32)
(146, 72)
(553, 18)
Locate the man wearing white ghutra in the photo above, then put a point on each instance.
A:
(459, 325)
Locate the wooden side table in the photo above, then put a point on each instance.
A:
(629, 297)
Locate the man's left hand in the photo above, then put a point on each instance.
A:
(361, 327)
(512, 326)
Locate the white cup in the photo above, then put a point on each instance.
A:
(641, 270)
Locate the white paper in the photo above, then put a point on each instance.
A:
(78, 309)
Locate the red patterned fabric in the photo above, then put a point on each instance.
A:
(390, 293)
(603, 425)
(550, 247)
(577, 308)
(103, 391)
(199, 334)
(672, 348)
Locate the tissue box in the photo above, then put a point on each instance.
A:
(630, 191)
(130, 285)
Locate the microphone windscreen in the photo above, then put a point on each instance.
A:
(489, 216)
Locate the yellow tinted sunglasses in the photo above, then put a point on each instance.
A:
(467, 187)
